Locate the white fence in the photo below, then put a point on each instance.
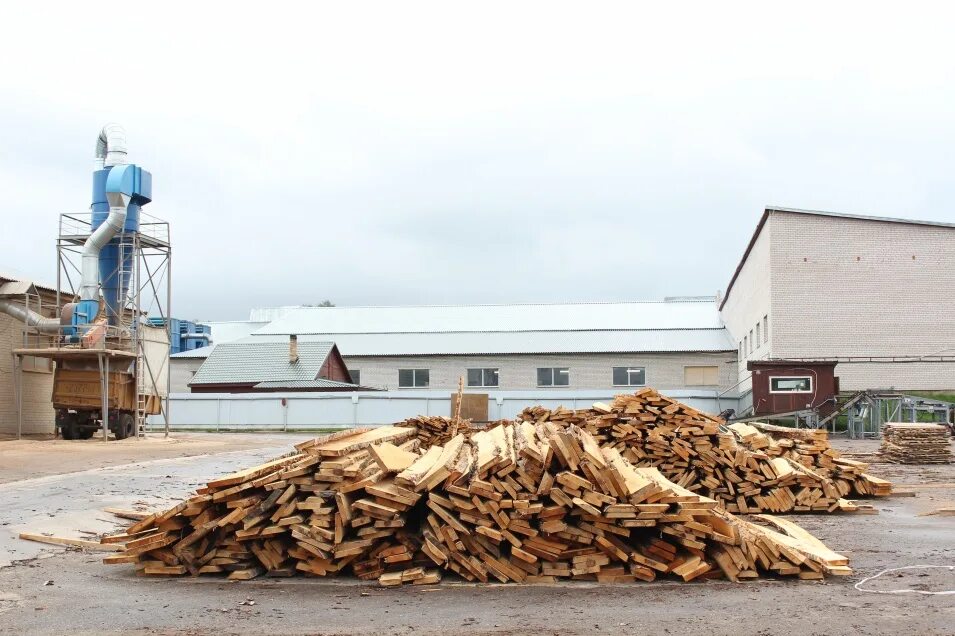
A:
(310, 411)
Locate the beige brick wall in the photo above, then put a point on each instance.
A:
(748, 302)
(37, 385)
(839, 288)
(519, 372)
(847, 287)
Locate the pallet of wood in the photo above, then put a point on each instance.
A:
(904, 443)
(749, 468)
(524, 501)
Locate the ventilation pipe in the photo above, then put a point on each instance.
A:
(30, 317)
(89, 283)
(111, 146)
(292, 349)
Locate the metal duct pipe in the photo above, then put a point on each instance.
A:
(113, 225)
(197, 336)
(30, 317)
(111, 146)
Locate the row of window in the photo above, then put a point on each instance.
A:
(552, 376)
(755, 339)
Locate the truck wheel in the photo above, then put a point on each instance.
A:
(125, 426)
(85, 433)
(68, 429)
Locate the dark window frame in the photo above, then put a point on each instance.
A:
(565, 371)
(484, 376)
(629, 370)
(414, 379)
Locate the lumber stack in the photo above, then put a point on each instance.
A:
(904, 443)
(519, 502)
(436, 430)
(748, 469)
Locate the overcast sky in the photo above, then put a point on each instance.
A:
(422, 153)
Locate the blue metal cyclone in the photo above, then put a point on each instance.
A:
(115, 268)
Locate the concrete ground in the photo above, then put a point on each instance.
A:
(49, 487)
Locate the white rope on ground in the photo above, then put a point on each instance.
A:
(950, 568)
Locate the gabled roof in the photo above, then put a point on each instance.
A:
(8, 277)
(255, 362)
(512, 318)
(860, 217)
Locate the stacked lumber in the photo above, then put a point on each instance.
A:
(748, 469)
(436, 430)
(904, 443)
(519, 502)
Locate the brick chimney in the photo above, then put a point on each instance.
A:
(292, 349)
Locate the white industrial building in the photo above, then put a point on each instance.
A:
(677, 344)
(872, 293)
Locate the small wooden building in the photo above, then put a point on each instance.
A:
(268, 367)
(783, 386)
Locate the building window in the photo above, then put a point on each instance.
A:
(413, 378)
(758, 339)
(745, 345)
(791, 384)
(629, 376)
(355, 376)
(750, 340)
(766, 328)
(701, 376)
(742, 351)
(482, 377)
(553, 376)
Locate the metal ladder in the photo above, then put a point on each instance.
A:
(141, 396)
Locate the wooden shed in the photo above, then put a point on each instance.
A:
(783, 386)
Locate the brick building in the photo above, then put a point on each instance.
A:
(674, 344)
(37, 373)
(872, 293)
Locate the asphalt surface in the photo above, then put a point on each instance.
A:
(50, 590)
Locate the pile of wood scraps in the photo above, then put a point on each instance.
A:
(525, 501)
(436, 430)
(749, 468)
(904, 443)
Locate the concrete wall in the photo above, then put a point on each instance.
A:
(749, 302)
(851, 288)
(37, 385)
(310, 411)
(519, 372)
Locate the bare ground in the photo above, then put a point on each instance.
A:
(55, 591)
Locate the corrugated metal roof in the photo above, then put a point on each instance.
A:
(497, 318)
(229, 330)
(318, 383)
(11, 277)
(242, 362)
(526, 342)
(268, 314)
(201, 352)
